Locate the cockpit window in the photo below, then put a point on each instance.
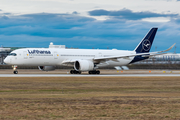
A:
(12, 54)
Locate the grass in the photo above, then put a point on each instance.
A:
(137, 98)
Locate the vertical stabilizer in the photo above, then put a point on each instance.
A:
(145, 45)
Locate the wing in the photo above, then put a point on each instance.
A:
(114, 58)
(137, 54)
(69, 62)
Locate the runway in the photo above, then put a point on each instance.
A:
(87, 75)
(104, 73)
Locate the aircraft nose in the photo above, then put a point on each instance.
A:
(7, 60)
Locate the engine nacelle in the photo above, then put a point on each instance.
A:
(47, 68)
(84, 65)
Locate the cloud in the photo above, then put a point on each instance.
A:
(73, 30)
(128, 14)
(159, 0)
(42, 24)
(75, 12)
(177, 20)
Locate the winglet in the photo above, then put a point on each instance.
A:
(168, 48)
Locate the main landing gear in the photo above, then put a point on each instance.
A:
(75, 72)
(15, 69)
(90, 72)
(94, 72)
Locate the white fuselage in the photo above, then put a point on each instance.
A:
(55, 56)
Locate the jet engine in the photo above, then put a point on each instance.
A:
(47, 68)
(83, 65)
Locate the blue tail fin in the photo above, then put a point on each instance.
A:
(145, 45)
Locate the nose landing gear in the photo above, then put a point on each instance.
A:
(15, 72)
(15, 69)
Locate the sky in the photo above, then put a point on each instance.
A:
(87, 24)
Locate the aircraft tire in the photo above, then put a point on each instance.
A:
(97, 72)
(94, 72)
(15, 72)
(90, 72)
(75, 72)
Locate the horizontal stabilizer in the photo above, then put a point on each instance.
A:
(125, 68)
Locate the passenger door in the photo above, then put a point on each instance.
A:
(25, 54)
(56, 55)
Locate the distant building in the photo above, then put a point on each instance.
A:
(57, 46)
(3, 53)
(169, 58)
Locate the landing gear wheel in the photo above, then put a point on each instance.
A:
(71, 71)
(97, 72)
(15, 72)
(15, 69)
(94, 72)
(75, 72)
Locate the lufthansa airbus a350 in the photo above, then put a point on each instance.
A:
(82, 60)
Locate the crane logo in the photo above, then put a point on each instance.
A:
(146, 45)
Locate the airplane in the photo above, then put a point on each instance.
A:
(82, 60)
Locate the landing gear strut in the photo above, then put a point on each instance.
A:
(75, 72)
(15, 69)
(94, 72)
